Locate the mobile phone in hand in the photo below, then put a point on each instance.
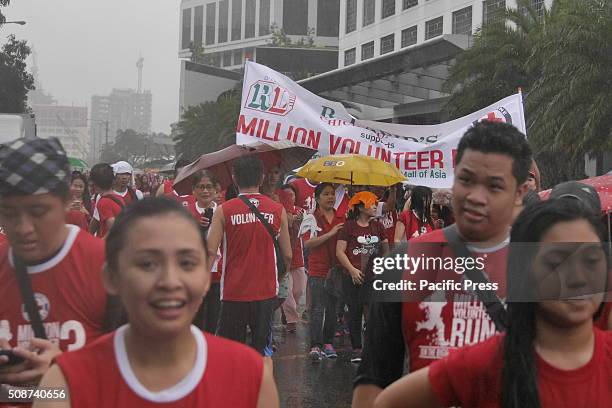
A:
(13, 358)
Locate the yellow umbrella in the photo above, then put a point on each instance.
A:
(351, 169)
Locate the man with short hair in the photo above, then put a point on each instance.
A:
(250, 277)
(492, 164)
(123, 176)
(109, 204)
(62, 264)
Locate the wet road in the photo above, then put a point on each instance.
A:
(306, 384)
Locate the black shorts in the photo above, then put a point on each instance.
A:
(235, 316)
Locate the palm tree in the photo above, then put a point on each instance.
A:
(496, 65)
(570, 103)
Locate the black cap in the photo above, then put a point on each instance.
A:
(584, 193)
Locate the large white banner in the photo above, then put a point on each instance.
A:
(277, 111)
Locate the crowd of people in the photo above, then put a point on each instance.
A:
(127, 293)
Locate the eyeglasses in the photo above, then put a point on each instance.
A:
(208, 187)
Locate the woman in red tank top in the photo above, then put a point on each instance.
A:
(551, 355)
(157, 265)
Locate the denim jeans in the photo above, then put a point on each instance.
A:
(322, 313)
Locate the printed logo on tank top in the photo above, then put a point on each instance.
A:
(469, 324)
(56, 331)
(387, 220)
(250, 217)
(368, 245)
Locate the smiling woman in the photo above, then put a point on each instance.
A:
(158, 266)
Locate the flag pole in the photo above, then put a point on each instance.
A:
(520, 92)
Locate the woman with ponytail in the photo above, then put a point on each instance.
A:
(416, 220)
(552, 355)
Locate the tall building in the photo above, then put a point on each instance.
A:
(68, 124)
(121, 110)
(370, 28)
(296, 37)
(395, 55)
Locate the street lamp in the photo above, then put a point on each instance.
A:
(14, 22)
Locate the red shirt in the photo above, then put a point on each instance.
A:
(196, 211)
(107, 209)
(2, 238)
(77, 218)
(388, 220)
(323, 257)
(297, 246)
(225, 374)
(305, 195)
(361, 242)
(68, 289)
(471, 377)
(413, 226)
(249, 261)
(432, 329)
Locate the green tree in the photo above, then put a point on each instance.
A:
(496, 64)
(570, 103)
(16, 81)
(209, 126)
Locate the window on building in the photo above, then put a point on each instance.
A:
(249, 18)
(236, 19)
(237, 57)
(186, 34)
(227, 58)
(328, 15)
(223, 16)
(213, 59)
(388, 8)
(433, 28)
(211, 10)
(387, 44)
(351, 16)
(369, 12)
(295, 17)
(350, 56)
(537, 5)
(198, 25)
(264, 17)
(409, 3)
(492, 10)
(462, 21)
(367, 50)
(409, 36)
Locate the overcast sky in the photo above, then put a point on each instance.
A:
(88, 47)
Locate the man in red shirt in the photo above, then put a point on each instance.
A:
(305, 197)
(62, 263)
(492, 165)
(249, 281)
(123, 176)
(109, 204)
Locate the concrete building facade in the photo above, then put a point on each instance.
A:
(122, 109)
(371, 28)
(68, 124)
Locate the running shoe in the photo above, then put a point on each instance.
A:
(329, 352)
(315, 354)
(356, 357)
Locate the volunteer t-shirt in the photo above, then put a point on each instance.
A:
(77, 218)
(249, 258)
(413, 226)
(471, 377)
(127, 197)
(305, 197)
(225, 374)
(388, 220)
(448, 319)
(362, 242)
(323, 257)
(67, 288)
(107, 208)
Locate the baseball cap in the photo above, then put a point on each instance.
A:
(122, 167)
(582, 192)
